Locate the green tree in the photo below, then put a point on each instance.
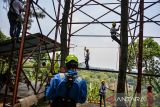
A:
(3, 61)
(3, 37)
(151, 53)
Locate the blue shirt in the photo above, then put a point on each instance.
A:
(57, 87)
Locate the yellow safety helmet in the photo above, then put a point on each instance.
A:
(50, 75)
(114, 24)
(102, 81)
(71, 61)
(71, 58)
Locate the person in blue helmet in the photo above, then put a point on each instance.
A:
(67, 89)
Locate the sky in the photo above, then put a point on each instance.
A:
(104, 52)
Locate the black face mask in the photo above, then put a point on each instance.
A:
(72, 64)
(69, 81)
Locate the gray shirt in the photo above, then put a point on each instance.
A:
(103, 89)
(18, 6)
(113, 31)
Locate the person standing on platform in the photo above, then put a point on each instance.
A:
(87, 57)
(15, 18)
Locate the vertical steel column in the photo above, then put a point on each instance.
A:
(9, 69)
(70, 26)
(56, 34)
(20, 58)
(63, 39)
(140, 54)
(37, 68)
(123, 59)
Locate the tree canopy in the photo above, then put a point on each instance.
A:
(151, 53)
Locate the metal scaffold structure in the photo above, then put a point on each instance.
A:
(74, 19)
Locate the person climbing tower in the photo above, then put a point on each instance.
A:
(113, 32)
(87, 57)
(15, 18)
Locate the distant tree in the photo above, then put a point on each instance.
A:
(151, 55)
(3, 37)
(3, 62)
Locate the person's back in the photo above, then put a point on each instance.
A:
(66, 89)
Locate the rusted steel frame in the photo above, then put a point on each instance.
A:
(28, 81)
(44, 11)
(106, 7)
(40, 30)
(139, 25)
(109, 22)
(140, 54)
(36, 18)
(3, 63)
(17, 48)
(131, 13)
(110, 9)
(9, 69)
(36, 1)
(31, 53)
(114, 3)
(150, 20)
(42, 83)
(37, 69)
(156, 22)
(94, 20)
(54, 7)
(145, 7)
(112, 71)
(56, 35)
(77, 2)
(25, 48)
(5, 94)
(144, 22)
(70, 25)
(19, 66)
(135, 27)
(51, 30)
(110, 36)
(7, 81)
(129, 5)
(80, 7)
(44, 41)
(75, 9)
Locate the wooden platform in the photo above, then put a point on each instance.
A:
(32, 42)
